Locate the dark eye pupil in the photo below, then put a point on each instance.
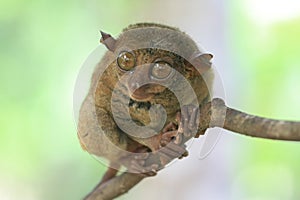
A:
(126, 61)
(161, 70)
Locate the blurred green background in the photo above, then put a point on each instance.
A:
(43, 44)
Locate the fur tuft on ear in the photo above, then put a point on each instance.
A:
(108, 41)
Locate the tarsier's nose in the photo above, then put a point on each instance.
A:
(138, 78)
(133, 85)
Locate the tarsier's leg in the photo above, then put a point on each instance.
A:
(165, 144)
(160, 150)
(158, 143)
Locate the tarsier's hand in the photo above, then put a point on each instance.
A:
(188, 123)
(168, 145)
(171, 144)
(174, 137)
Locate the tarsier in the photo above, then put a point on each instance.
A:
(149, 59)
(147, 68)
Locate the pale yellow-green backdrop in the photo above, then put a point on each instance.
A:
(43, 44)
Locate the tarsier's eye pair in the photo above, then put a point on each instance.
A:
(159, 70)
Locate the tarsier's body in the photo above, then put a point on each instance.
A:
(149, 49)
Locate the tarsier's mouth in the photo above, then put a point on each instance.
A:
(141, 98)
(140, 95)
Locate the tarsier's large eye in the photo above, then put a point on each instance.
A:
(161, 70)
(126, 60)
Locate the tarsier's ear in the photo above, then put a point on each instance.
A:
(108, 41)
(201, 61)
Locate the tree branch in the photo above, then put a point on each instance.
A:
(212, 114)
(115, 187)
(250, 125)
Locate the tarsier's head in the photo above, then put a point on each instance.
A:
(150, 54)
